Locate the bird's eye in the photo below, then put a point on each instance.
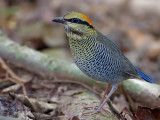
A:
(75, 20)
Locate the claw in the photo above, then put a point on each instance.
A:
(94, 111)
(95, 107)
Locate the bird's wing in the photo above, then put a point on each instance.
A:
(127, 66)
(108, 44)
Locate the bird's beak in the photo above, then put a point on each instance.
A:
(59, 20)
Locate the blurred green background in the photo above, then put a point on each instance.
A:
(133, 25)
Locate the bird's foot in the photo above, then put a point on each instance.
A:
(91, 112)
(95, 107)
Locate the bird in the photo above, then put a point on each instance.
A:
(96, 55)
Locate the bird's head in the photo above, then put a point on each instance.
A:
(75, 23)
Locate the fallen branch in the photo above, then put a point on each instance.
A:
(143, 92)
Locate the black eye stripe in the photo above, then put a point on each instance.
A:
(77, 20)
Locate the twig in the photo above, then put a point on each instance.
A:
(114, 110)
(14, 78)
(79, 83)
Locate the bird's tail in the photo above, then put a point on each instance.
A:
(145, 77)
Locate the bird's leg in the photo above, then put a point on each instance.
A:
(100, 106)
(102, 99)
(114, 88)
(105, 93)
